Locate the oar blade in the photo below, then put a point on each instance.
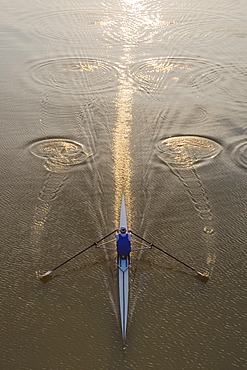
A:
(202, 276)
(46, 277)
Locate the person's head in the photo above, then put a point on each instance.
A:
(122, 230)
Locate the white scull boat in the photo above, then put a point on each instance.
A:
(123, 278)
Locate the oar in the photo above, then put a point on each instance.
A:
(76, 255)
(204, 276)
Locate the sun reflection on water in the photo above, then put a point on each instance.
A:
(121, 139)
(130, 30)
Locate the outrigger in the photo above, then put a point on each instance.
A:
(123, 265)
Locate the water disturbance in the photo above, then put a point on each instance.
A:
(158, 74)
(239, 154)
(73, 75)
(56, 25)
(60, 155)
(182, 154)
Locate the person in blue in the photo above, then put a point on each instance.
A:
(123, 240)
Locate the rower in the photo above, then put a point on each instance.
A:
(123, 240)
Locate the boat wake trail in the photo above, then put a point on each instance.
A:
(59, 155)
(182, 155)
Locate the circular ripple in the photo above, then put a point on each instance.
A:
(239, 154)
(113, 26)
(157, 73)
(234, 84)
(73, 4)
(74, 75)
(71, 25)
(59, 154)
(186, 151)
(185, 30)
(198, 114)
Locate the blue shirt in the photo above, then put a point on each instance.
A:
(123, 244)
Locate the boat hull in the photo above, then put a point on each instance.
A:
(123, 278)
(123, 284)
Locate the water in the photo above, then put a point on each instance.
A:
(145, 98)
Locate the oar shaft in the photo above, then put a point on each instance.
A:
(168, 254)
(84, 250)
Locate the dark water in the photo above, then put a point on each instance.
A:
(145, 98)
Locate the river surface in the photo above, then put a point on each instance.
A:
(136, 97)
